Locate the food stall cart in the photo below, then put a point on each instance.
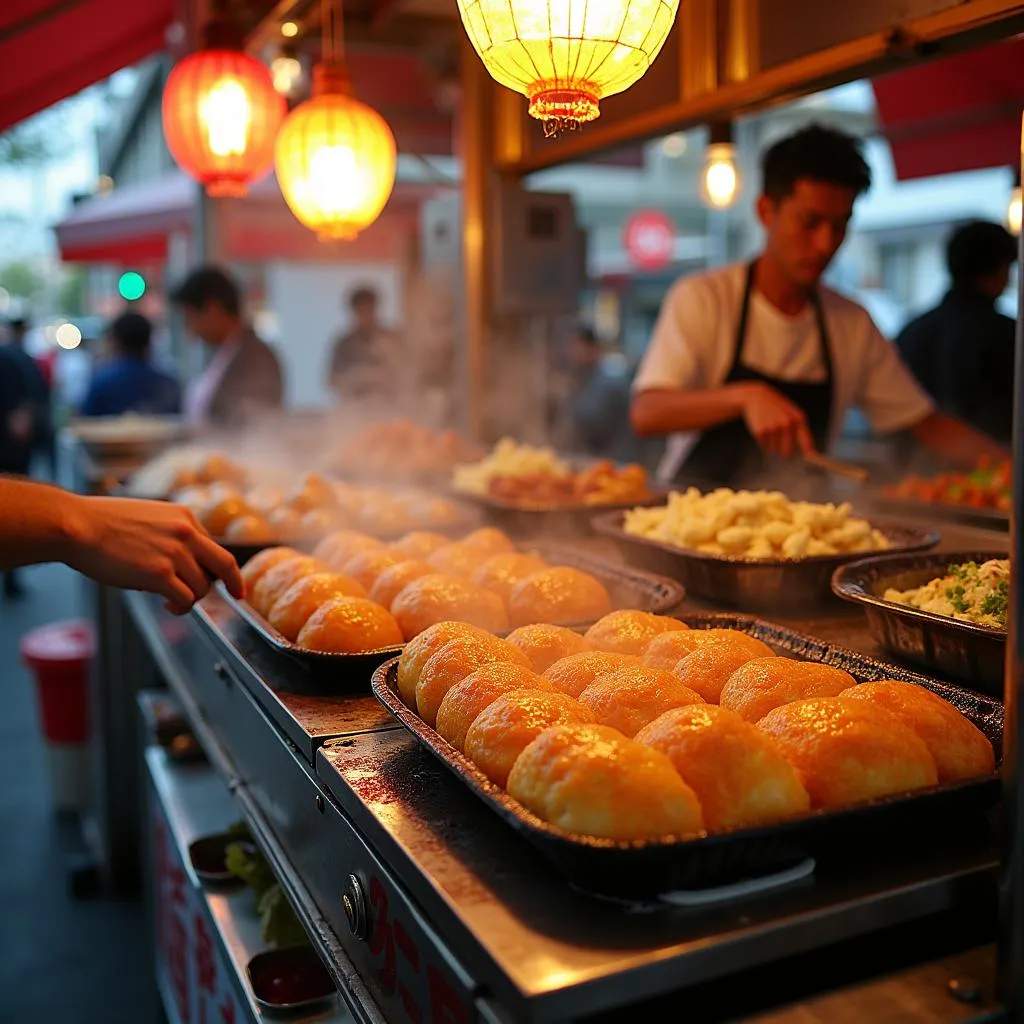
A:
(421, 903)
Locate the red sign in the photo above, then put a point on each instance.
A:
(649, 239)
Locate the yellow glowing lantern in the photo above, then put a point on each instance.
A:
(335, 159)
(1015, 211)
(720, 181)
(567, 57)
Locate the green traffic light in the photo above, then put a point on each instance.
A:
(131, 286)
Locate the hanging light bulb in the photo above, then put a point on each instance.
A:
(567, 57)
(1014, 209)
(221, 113)
(720, 181)
(335, 157)
(286, 71)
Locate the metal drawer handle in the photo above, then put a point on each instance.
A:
(354, 903)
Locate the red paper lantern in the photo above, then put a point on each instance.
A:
(221, 115)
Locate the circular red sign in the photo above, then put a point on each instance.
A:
(649, 238)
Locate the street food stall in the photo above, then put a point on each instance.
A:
(507, 868)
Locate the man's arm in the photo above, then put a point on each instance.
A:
(138, 545)
(955, 441)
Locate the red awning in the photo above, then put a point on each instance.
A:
(50, 49)
(961, 113)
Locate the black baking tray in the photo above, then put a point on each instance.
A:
(645, 871)
(966, 650)
(748, 584)
(627, 587)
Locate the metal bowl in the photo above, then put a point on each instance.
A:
(774, 586)
(966, 650)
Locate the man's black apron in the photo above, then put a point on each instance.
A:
(728, 454)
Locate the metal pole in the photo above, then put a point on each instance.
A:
(1011, 889)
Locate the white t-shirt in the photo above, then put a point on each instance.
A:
(694, 339)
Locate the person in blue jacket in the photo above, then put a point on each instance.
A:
(129, 382)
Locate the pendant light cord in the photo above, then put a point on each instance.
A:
(333, 31)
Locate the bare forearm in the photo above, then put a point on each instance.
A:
(36, 523)
(666, 411)
(956, 441)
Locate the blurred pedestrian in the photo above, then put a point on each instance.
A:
(962, 351)
(128, 381)
(365, 361)
(15, 435)
(38, 394)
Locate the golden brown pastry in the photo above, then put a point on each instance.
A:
(366, 566)
(274, 582)
(285, 522)
(216, 516)
(573, 674)
(349, 625)
(630, 631)
(630, 697)
(293, 609)
(466, 699)
(418, 545)
(740, 777)
(317, 523)
(338, 548)
(218, 468)
(421, 649)
(544, 644)
(591, 780)
(666, 650)
(561, 596)
(490, 540)
(393, 580)
(764, 684)
(708, 669)
(504, 729)
(263, 562)
(960, 749)
(437, 598)
(848, 751)
(500, 574)
(453, 662)
(264, 499)
(250, 529)
(310, 491)
(455, 560)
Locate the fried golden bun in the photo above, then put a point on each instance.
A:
(249, 529)
(561, 595)
(573, 674)
(217, 516)
(848, 751)
(465, 700)
(271, 586)
(764, 684)
(960, 749)
(504, 729)
(285, 522)
(490, 540)
(739, 775)
(366, 566)
(629, 631)
(293, 609)
(421, 649)
(453, 662)
(393, 580)
(708, 669)
(544, 644)
(337, 548)
(310, 491)
(263, 562)
(418, 545)
(666, 650)
(630, 698)
(349, 625)
(455, 560)
(437, 598)
(500, 574)
(591, 780)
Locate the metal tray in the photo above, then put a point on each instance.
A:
(971, 652)
(750, 585)
(963, 515)
(647, 871)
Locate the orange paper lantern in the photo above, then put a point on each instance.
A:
(335, 159)
(221, 115)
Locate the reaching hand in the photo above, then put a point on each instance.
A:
(775, 422)
(148, 545)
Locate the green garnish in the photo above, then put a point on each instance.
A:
(997, 603)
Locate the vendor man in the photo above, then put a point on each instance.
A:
(760, 359)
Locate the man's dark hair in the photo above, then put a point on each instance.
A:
(209, 284)
(977, 249)
(18, 323)
(818, 153)
(131, 333)
(585, 333)
(362, 296)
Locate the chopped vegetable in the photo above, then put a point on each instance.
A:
(977, 593)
